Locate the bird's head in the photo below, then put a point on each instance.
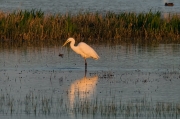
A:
(68, 40)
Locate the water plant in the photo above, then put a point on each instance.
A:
(98, 107)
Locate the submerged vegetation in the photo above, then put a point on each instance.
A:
(35, 26)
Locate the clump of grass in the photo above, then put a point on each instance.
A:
(34, 26)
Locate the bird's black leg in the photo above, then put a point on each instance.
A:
(85, 65)
(85, 62)
(85, 72)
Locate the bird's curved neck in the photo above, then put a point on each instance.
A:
(73, 47)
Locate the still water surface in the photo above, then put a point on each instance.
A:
(75, 6)
(36, 82)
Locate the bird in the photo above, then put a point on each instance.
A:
(82, 49)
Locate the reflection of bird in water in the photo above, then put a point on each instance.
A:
(82, 89)
(83, 49)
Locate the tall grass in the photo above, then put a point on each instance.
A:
(35, 26)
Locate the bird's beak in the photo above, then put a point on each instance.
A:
(65, 43)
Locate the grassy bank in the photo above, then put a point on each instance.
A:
(34, 26)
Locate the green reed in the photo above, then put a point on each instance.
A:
(35, 26)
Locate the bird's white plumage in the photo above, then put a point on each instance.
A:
(87, 51)
(83, 49)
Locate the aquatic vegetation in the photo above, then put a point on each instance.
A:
(43, 105)
(35, 26)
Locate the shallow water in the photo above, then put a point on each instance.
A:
(36, 82)
(76, 6)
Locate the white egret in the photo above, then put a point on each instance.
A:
(82, 49)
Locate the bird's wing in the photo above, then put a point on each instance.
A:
(87, 50)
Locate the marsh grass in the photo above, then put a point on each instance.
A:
(46, 105)
(33, 26)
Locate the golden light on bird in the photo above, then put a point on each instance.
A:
(82, 49)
